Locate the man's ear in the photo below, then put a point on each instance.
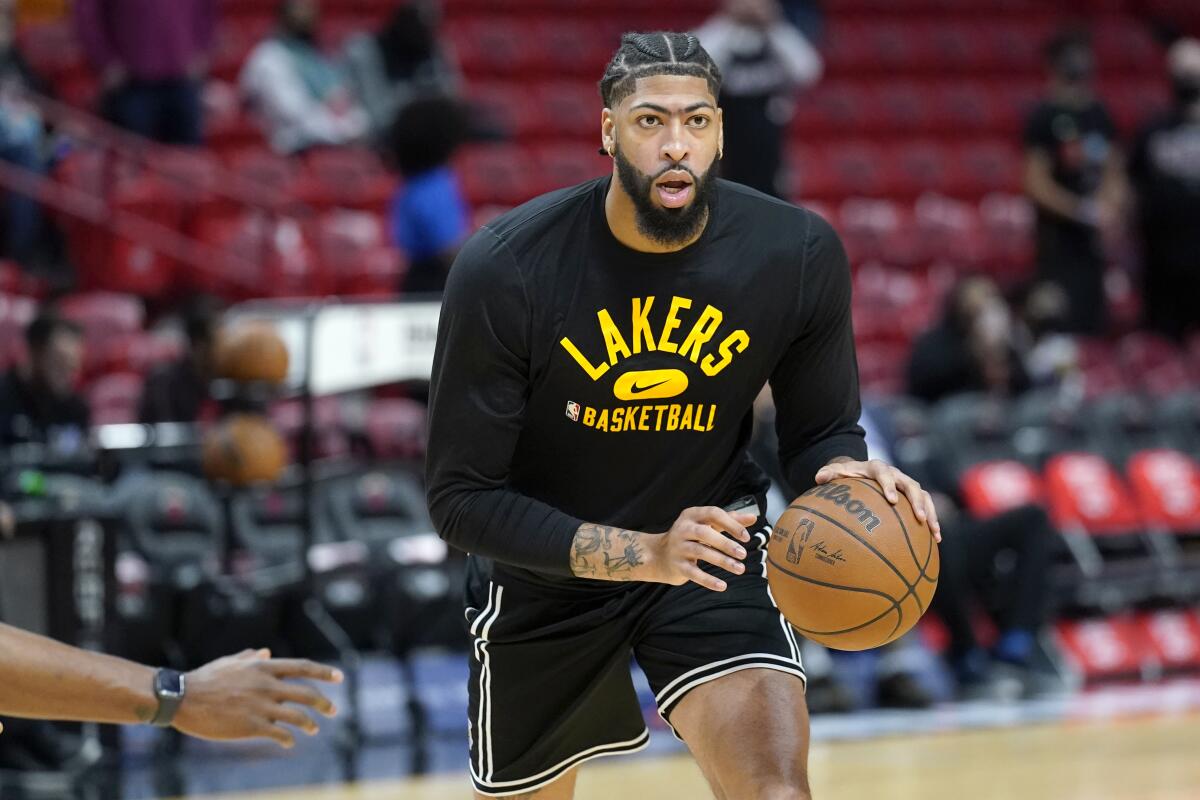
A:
(608, 143)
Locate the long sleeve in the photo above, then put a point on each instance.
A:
(92, 29)
(815, 384)
(478, 393)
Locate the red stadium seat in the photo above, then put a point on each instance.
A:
(899, 108)
(103, 314)
(492, 46)
(989, 166)
(570, 47)
(1154, 363)
(114, 398)
(831, 109)
(497, 174)
(395, 428)
(15, 314)
(357, 256)
(348, 178)
(561, 165)
(921, 167)
(330, 434)
(1166, 484)
(994, 487)
(1084, 492)
(569, 109)
(508, 106)
(960, 108)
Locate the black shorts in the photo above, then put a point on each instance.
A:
(550, 682)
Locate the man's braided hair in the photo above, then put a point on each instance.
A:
(661, 53)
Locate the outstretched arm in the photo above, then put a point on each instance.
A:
(238, 697)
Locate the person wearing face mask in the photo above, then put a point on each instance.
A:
(1075, 178)
(300, 96)
(972, 348)
(1164, 168)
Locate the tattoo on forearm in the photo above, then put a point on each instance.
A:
(605, 552)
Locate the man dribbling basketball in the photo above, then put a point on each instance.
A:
(597, 360)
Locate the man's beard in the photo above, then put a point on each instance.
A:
(665, 226)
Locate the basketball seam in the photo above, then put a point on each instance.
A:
(910, 586)
(928, 556)
(903, 527)
(895, 603)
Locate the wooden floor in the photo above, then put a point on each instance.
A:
(1141, 759)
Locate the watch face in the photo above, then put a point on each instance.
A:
(170, 682)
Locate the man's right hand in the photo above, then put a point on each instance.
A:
(246, 696)
(674, 557)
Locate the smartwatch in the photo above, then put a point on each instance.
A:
(169, 689)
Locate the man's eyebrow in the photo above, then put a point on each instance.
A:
(662, 110)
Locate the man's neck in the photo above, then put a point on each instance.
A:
(621, 214)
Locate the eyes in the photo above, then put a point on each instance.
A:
(696, 121)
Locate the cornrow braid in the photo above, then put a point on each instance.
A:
(660, 53)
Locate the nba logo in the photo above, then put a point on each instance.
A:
(573, 411)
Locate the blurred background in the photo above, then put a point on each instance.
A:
(225, 223)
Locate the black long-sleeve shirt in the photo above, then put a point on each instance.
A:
(576, 379)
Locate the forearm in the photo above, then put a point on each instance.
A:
(608, 553)
(44, 679)
(505, 526)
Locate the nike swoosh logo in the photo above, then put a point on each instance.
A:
(638, 389)
(650, 384)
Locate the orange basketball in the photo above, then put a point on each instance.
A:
(243, 449)
(251, 351)
(849, 569)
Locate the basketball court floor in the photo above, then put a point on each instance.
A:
(1154, 758)
(1124, 742)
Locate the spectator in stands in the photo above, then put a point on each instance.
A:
(301, 97)
(1165, 171)
(764, 60)
(23, 141)
(38, 401)
(429, 217)
(1074, 176)
(398, 63)
(179, 391)
(999, 565)
(152, 59)
(971, 349)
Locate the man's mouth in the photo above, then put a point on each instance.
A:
(674, 189)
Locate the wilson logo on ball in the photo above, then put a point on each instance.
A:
(839, 495)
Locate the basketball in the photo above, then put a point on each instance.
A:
(251, 351)
(243, 449)
(849, 569)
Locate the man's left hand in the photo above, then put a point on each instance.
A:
(890, 480)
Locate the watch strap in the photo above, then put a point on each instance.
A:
(169, 690)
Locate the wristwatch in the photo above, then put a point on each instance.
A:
(169, 689)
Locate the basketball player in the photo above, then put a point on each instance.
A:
(245, 696)
(598, 356)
